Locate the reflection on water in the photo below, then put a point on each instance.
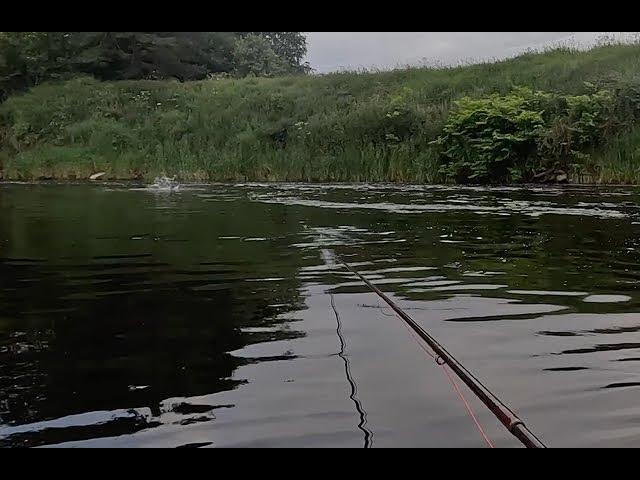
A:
(210, 316)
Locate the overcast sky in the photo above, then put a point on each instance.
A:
(331, 51)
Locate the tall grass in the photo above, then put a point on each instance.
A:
(619, 162)
(352, 126)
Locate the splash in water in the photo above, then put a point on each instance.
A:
(166, 184)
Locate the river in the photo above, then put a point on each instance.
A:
(218, 316)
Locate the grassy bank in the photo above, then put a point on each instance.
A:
(340, 127)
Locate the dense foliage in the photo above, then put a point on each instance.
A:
(530, 135)
(29, 58)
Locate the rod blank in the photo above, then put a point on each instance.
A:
(504, 414)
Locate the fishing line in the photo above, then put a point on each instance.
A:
(368, 435)
(444, 368)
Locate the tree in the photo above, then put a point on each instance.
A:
(253, 55)
(289, 46)
(138, 55)
(29, 58)
(24, 58)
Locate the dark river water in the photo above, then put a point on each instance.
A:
(131, 317)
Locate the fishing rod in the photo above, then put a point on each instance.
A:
(504, 414)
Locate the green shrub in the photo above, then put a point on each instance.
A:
(528, 135)
(491, 139)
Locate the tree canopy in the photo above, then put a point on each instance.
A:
(29, 58)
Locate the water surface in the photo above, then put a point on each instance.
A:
(217, 315)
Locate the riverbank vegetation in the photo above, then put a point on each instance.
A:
(558, 115)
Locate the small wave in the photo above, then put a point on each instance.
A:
(532, 209)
